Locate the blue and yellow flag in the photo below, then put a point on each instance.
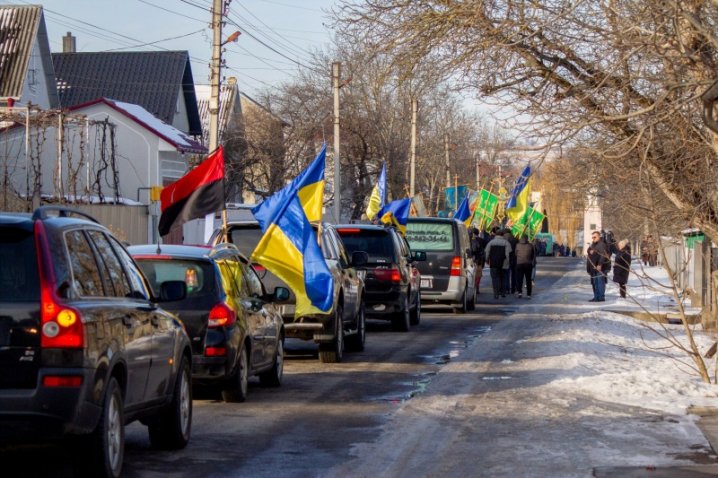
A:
(463, 213)
(378, 194)
(308, 186)
(518, 203)
(289, 249)
(396, 213)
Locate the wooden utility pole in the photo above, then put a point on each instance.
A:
(336, 73)
(448, 169)
(412, 175)
(60, 138)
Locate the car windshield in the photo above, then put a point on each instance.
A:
(246, 239)
(19, 277)
(430, 236)
(377, 244)
(198, 275)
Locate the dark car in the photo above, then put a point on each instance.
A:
(391, 280)
(84, 348)
(233, 326)
(329, 331)
(448, 274)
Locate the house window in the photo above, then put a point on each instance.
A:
(593, 226)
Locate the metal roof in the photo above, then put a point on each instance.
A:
(149, 79)
(227, 104)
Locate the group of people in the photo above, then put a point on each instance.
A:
(561, 250)
(598, 263)
(511, 261)
(649, 251)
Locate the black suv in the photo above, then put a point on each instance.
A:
(84, 349)
(231, 320)
(327, 330)
(391, 282)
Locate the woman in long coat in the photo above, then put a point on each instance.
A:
(622, 266)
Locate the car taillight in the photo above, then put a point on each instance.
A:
(61, 325)
(392, 275)
(456, 266)
(215, 351)
(221, 315)
(61, 381)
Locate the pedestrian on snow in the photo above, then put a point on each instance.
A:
(525, 258)
(497, 255)
(511, 273)
(622, 266)
(478, 250)
(644, 250)
(596, 259)
(652, 252)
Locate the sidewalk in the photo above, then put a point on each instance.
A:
(558, 388)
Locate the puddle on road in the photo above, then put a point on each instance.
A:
(497, 378)
(439, 359)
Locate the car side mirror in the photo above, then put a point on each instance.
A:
(419, 256)
(359, 258)
(173, 290)
(281, 294)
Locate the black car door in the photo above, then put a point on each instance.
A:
(266, 321)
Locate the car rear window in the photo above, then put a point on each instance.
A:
(198, 275)
(377, 244)
(430, 236)
(19, 276)
(246, 239)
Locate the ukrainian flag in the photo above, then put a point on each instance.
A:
(518, 203)
(378, 195)
(396, 213)
(463, 213)
(308, 186)
(289, 249)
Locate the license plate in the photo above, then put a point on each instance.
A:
(427, 283)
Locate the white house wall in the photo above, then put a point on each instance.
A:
(34, 89)
(180, 120)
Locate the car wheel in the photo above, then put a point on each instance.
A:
(333, 352)
(400, 320)
(237, 392)
(415, 316)
(462, 308)
(171, 430)
(357, 341)
(107, 442)
(273, 376)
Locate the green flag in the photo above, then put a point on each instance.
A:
(535, 223)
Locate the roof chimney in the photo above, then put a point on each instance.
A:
(68, 43)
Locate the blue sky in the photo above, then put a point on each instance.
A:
(283, 30)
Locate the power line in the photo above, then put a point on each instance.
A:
(293, 6)
(155, 42)
(170, 11)
(270, 28)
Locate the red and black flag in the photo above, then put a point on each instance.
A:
(194, 195)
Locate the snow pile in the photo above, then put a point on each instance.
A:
(622, 360)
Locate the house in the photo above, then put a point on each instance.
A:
(26, 69)
(230, 111)
(158, 81)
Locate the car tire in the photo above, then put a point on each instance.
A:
(273, 376)
(171, 430)
(356, 342)
(334, 351)
(237, 391)
(400, 320)
(107, 443)
(462, 308)
(415, 315)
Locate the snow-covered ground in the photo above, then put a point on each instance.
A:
(556, 388)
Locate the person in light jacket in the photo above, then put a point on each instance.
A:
(622, 266)
(525, 258)
(596, 258)
(497, 255)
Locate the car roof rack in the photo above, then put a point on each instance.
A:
(42, 213)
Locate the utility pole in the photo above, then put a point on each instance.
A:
(336, 73)
(477, 158)
(448, 169)
(214, 98)
(412, 174)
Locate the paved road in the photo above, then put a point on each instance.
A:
(308, 425)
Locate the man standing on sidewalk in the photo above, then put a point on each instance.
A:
(525, 258)
(596, 257)
(497, 254)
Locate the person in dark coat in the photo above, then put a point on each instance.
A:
(497, 255)
(622, 266)
(596, 258)
(525, 258)
(478, 247)
(511, 273)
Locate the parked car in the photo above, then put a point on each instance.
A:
(233, 326)
(391, 279)
(330, 331)
(84, 347)
(448, 274)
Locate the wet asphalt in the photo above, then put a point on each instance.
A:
(308, 425)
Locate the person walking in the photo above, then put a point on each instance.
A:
(622, 266)
(595, 260)
(644, 251)
(525, 258)
(497, 255)
(652, 252)
(511, 273)
(478, 250)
